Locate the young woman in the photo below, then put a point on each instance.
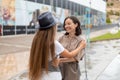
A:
(45, 49)
(70, 40)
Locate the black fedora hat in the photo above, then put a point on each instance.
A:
(46, 20)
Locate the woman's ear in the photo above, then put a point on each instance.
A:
(76, 24)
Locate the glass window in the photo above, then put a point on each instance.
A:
(72, 8)
(78, 9)
(31, 0)
(47, 2)
(69, 5)
(82, 10)
(64, 3)
(59, 3)
(54, 3)
(39, 1)
(75, 7)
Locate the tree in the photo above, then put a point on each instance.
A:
(111, 4)
(111, 12)
(117, 14)
(108, 20)
(108, 4)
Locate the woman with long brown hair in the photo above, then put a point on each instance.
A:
(45, 48)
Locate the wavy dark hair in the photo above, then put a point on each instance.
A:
(75, 20)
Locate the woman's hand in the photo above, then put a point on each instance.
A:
(56, 62)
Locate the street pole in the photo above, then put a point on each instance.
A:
(27, 16)
(88, 25)
(15, 21)
(2, 21)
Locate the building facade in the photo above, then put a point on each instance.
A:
(20, 16)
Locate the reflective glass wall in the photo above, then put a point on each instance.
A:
(23, 14)
(64, 8)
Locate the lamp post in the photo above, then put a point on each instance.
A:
(88, 24)
(1, 25)
(88, 21)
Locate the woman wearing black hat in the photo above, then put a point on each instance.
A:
(45, 49)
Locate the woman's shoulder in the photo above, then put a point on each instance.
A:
(61, 37)
(80, 38)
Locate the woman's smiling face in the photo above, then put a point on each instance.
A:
(70, 26)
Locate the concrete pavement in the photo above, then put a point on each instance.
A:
(112, 72)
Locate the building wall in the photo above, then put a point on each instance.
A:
(26, 12)
(98, 5)
(98, 10)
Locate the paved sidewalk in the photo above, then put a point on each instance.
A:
(112, 72)
(20, 45)
(99, 57)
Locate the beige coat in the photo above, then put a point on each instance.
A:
(71, 70)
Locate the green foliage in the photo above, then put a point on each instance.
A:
(107, 36)
(117, 14)
(108, 20)
(108, 4)
(111, 12)
(111, 4)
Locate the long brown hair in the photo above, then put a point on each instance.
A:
(42, 49)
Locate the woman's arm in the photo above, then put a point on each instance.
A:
(68, 55)
(63, 60)
(73, 53)
(57, 61)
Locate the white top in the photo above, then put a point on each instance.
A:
(58, 48)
